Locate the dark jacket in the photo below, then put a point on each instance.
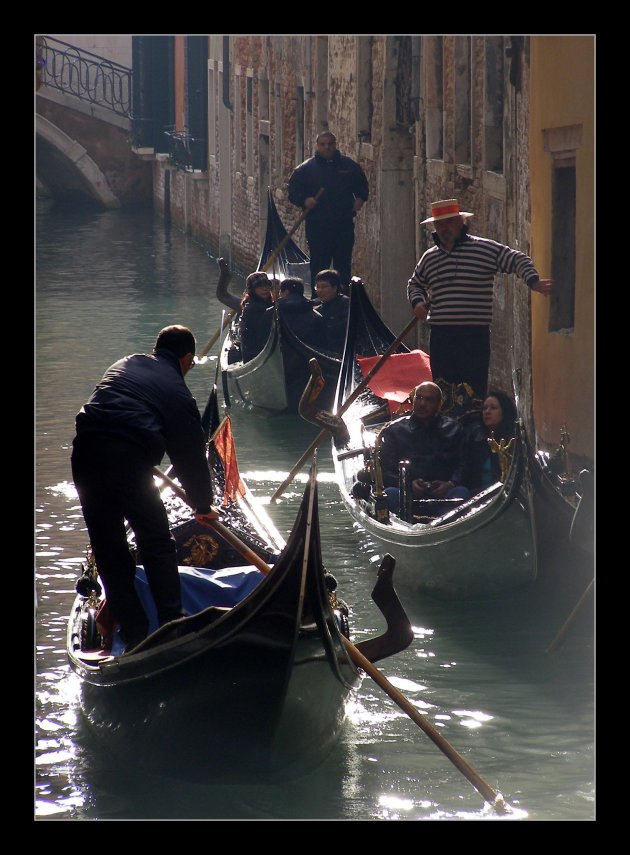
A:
(296, 313)
(334, 314)
(435, 452)
(144, 401)
(342, 179)
(254, 326)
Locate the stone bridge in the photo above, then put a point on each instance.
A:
(84, 147)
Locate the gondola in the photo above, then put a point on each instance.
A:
(253, 682)
(472, 549)
(273, 381)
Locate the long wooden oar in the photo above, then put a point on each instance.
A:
(224, 322)
(285, 240)
(347, 403)
(561, 634)
(490, 795)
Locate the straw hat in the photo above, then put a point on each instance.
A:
(444, 209)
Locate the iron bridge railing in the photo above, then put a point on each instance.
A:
(86, 75)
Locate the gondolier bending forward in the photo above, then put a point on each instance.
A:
(330, 221)
(452, 287)
(141, 408)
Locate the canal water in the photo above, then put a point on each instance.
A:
(105, 284)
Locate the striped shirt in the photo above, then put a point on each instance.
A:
(458, 285)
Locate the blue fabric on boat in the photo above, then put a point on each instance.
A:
(200, 588)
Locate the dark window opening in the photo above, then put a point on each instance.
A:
(562, 309)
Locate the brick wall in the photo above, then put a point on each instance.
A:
(342, 120)
(327, 69)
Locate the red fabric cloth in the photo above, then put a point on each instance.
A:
(400, 373)
(224, 444)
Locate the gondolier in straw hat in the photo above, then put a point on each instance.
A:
(452, 288)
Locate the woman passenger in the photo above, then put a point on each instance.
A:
(498, 421)
(255, 322)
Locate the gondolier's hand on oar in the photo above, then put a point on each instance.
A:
(206, 516)
(210, 518)
(421, 310)
(310, 202)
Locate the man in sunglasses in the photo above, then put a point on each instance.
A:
(434, 445)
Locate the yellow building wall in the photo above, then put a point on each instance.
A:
(562, 94)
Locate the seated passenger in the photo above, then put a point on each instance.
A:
(333, 308)
(255, 323)
(296, 311)
(432, 442)
(498, 420)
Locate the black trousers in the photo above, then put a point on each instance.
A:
(115, 484)
(461, 354)
(330, 246)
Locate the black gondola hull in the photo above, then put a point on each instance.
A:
(256, 689)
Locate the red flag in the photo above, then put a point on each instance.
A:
(398, 376)
(224, 445)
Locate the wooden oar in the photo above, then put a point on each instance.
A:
(224, 322)
(347, 403)
(285, 240)
(490, 795)
(486, 791)
(559, 639)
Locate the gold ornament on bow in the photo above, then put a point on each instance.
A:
(203, 549)
(503, 449)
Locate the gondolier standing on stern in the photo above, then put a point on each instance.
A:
(452, 288)
(330, 220)
(141, 408)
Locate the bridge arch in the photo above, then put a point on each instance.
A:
(64, 165)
